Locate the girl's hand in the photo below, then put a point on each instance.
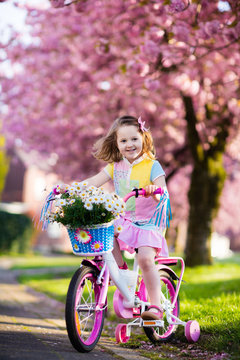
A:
(150, 190)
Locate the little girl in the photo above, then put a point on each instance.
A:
(128, 148)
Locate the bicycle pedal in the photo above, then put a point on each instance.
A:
(149, 323)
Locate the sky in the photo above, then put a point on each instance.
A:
(11, 15)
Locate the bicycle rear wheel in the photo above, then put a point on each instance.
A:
(84, 323)
(165, 333)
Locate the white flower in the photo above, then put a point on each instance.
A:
(83, 236)
(83, 184)
(83, 195)
(60, 202)
(92, 188)
(119, 228)
(108, 198)
(75, 183)
(101, 199)
(88, 205)
(108, 206)
(96, 199)
(71, 201)
(77, 186)
(117, 205)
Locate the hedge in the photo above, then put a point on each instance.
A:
(15, 232)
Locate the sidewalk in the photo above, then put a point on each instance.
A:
(32, 326)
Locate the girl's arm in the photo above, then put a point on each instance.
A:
(99, 179)
(159, 182)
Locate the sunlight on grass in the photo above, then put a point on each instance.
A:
(56, 285)
(35, 262)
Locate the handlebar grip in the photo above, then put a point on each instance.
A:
(143, 193)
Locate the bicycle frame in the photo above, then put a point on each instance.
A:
(130, 299)
(111, 269)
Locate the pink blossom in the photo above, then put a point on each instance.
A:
(152, 85)
(212, 27)
(57, 3)
(150, 48)
(182, 32)
(178, 5)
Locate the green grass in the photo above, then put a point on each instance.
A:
(39, 261)
(210, 295)
(53, 285)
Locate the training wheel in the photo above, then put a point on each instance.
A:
(192, 331)
(121, 333)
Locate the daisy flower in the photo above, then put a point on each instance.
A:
(75, 246)
(91, 199)
(75, 183)
(83, 236)
(108, 198)
(101, 199)
(117, 206)
(92, 188)
(109, 206)
(54, 216)
(72, 201)
(60, 202)
(84, 184)
(119, 228)
(97, 246)
(83, 195)
(96, 199)
(88, 205)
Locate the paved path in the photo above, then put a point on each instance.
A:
(32, 327)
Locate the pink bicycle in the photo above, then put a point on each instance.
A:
(86, 302)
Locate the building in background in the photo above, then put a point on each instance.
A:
(26, 187)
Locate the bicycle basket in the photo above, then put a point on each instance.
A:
(91, 241)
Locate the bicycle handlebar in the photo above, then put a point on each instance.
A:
(142, 192)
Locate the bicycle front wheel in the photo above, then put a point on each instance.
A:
(165, 333)
(84, 323)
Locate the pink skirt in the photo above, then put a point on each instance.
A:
(134, 236)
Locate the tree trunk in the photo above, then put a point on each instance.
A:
(207, 182)
(205, 189)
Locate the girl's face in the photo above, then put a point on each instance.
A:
(129, 142)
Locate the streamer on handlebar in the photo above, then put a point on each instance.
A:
(46, 207)
(163, 214)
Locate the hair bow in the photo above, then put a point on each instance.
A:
(142, 124)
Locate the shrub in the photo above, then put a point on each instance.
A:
(16, 231)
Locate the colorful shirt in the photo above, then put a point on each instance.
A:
(139, 174)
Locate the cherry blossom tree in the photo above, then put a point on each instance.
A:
(175, 63)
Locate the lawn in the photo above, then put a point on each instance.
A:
(30, 261)
(210, 295)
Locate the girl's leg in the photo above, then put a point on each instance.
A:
(150, 274)
(117, 252)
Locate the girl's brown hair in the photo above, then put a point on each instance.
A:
(106, 148)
